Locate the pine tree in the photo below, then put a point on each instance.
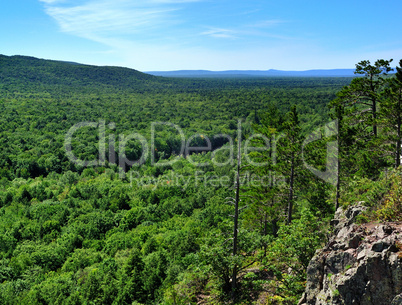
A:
(367, 89)
(391, 114)
(263, 197)
(289, 157)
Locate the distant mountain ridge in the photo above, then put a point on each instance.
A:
(43, 72)
(256, 73)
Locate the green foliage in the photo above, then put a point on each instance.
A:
(381, 196)
(391, 207)
(288, 256)
(81, 235)
(370, 192)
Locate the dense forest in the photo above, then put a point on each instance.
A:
(118, 187)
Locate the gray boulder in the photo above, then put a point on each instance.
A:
(360, 265)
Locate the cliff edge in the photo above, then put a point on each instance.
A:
(361, 264)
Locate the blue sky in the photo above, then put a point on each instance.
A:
(204, 34)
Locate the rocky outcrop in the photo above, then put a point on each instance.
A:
(361, 264)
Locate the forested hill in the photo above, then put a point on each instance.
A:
(30, 70)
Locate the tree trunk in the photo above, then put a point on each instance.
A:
(291, 181)
(338, 186)
(398, 126)
(374, 117)
(374, 106)
(236, 214)
(338, 174)
(275, 227)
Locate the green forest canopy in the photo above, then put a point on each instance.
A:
(84, 235)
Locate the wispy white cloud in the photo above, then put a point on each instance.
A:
(262, 29)
(267, 23)
(220, 33)
(51, 1)
(171, 1)
(144, 34)
(249, 12)
(98, 20)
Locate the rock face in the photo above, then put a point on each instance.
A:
(360, 265)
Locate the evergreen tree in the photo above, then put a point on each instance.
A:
(391, 114)
(360, 103)
(367, 89)
(289, 156)
(264, 198)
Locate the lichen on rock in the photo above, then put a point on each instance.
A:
(361, 264)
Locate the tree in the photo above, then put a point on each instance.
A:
(345, 139)
(367, 89)
(236, 213)
(359, 103)
(264, 199)
(391, 112)
(289, 151)
(283, 159)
